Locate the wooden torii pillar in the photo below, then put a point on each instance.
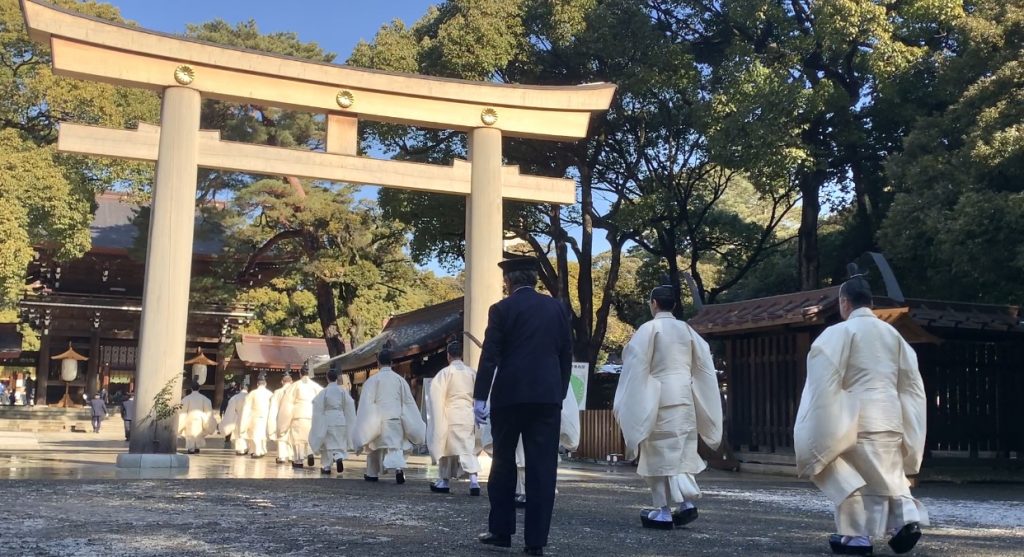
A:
(186, 71)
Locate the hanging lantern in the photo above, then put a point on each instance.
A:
(69, 363)
(199, 365)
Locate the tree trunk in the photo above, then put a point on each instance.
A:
(810, 187)
(585, 280)
(328, 314)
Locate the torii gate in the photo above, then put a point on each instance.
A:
(185, 71)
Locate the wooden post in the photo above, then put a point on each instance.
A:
(92, 367)
(43, 369)
(484, 229)
(168, 269)
(218, 378)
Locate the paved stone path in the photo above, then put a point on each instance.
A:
(63, 496)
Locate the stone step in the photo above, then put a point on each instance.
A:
(49, 425)
(786, 459)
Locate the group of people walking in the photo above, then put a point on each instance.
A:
(859, 432)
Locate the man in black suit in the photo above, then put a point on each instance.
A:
(527, 355)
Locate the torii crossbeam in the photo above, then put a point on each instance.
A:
(185, 71)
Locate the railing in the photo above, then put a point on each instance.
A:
(599, 435)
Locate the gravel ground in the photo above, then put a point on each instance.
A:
(596, 513)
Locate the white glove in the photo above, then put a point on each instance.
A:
(480, 411)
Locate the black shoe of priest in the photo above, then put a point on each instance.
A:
(341, 465)
(297, 466)
(370, 478)
(906, 538)
(474, 492)
(495, 540)
(682, 518)
(399, 477)
(310, 460)
(435, 489)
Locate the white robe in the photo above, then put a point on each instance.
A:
(388, 420)
(667, 396)
(334, 419)
(255, 415)
(453, 433)
(230, 423)
(296, 416)
(196, 420)
(284, 452)
(860, 460)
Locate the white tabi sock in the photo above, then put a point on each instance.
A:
(663, 514)
(441, 483)
(685, 505)
(474, 481)
(856, 541)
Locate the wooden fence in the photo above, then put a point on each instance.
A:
(765, 378)
(975, 393)
(599, 435)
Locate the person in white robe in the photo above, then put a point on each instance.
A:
(568, 439)
(667, 396)
(388, 422)
(453, 437)
(334, 419)
(284, 450)
(196, 419)
(296, 417)
(255, 418)
(230, 423)
(860, 428)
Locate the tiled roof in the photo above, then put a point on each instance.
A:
(278, 352)
(798, 308)
(417, 332)
(815, 307)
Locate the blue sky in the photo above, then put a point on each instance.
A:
(336, 25)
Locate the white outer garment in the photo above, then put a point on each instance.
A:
(275, 409)
(668, 379)
(296, 415)
(452, 427)
(334, 419)
(861, 458)
(231, 421)
(255, 415)
(387, 417)
(196, 419)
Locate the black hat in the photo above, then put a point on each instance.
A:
(519, 264)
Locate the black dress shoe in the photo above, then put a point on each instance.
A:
(310, 460)
(341, 465)
(835, 541)
(682, 518)
(646, 522)
(474, 492)
(435, 489)
(399, 477)
(297, 466)
(370, 478)
(906, 538)
(495, 540)
(533, 550)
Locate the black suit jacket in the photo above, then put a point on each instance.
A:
(528, 341)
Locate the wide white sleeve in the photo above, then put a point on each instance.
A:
(210, 423)
(275, 407)
(826, 422)
(250, 399)
(438, 428)
(318, 425)
(706, 395)
(368, 421)
(412, 420)
(910, 387)
(637, 395)
(570, 432)
(349, 409)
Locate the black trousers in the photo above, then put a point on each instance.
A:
(539, 425)
(95, 423)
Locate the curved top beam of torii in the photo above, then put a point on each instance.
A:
(100, 50)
